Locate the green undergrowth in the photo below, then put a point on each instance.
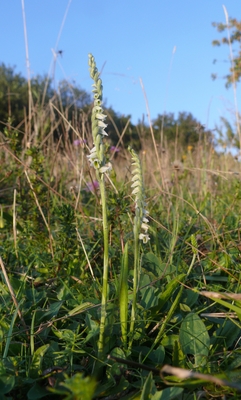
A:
(167, 333)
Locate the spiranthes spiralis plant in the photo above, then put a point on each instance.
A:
(98, 162)
(140, 230)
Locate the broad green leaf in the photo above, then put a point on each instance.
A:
(168, 394)
(169, 341)
(6, 383)
(153, 264)
(226, 334)
(53, 310)
(189, 297)
(194, 338)
(118, 352)
(145, 280)
(166, 295)
(147, 388)
(93, 331)
(236, 363)
(149, 298)
(37, 392)
(115, 372)
(37, 359)
(121, 385)
(157, 355)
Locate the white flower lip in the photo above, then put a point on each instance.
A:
(101, 124)
(101, 117)
(136, 190)
(92, 155)
(103, 132)
(106, 168)
(145, 227)
(136, 183)
(144, 237)
(136, 178)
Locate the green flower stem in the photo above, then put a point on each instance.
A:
(105, 267)
(135, 284)
(123, 296)
(97, 160)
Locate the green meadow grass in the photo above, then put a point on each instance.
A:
(122, 282)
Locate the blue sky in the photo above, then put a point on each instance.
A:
(131, 39)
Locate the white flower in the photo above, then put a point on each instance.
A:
(92, 155)
(103, 132)
(144, 237)
(136, 183)
(101, 116)
(101, 124)
(97, 109)
(106, 168)
(136, 190)
(93, 150)
(136, 177)
(145, 227)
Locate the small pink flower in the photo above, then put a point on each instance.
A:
(92, 186)
(79, 142)
(114, 149)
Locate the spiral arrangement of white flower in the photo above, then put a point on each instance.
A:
(140, 230)
(96, 156)
(140, 221)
